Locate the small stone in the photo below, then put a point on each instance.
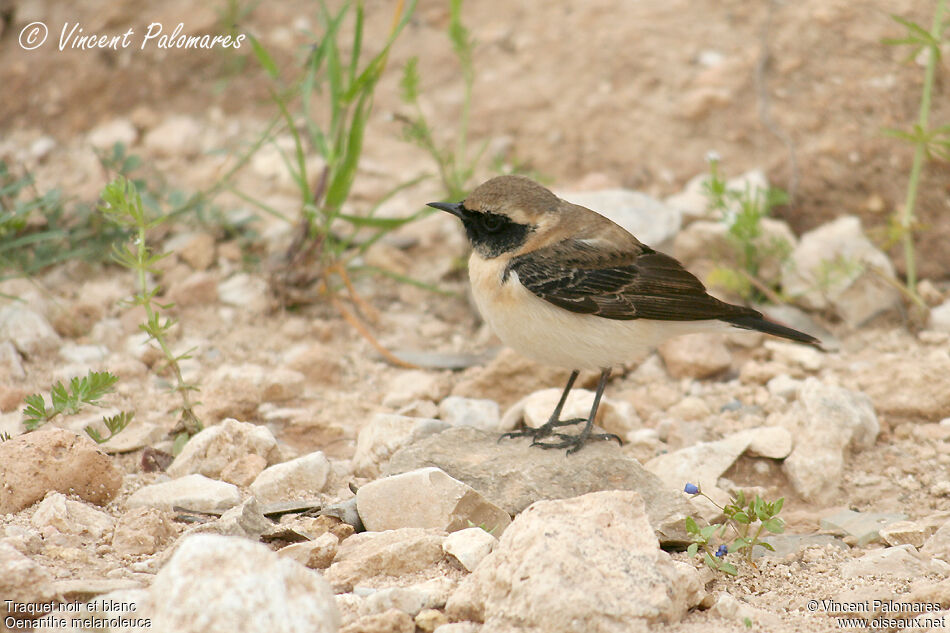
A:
(901, 562)
(70, 517)
(136, 435)
(384, 435)
(251, 294)
(469, 546)
(11, 363)
(690, 408)
(940, 317)
(428, 620)
(244, 470)
(702, 463)
(198, 288)
(192, 492)
(479, 413)
(216, 447)
(21, 579)
(245, 520)
(318, 362)
(613, 416)
(142, 531)
(612, 575)
(238, 390)
(865, 527)
(195, 249)
(783, 386)
(392, 621)
(459, 627)
(54, 460)
(412, 599)
(511, 474)
(825, 420)
(414, 385)
(774, 442)
(222, 583)
(176, 137)
(107, 134)
(808, 358)
(29, 331)
(729, 608)
(924, 385)
(938, 545)
(392, 553)
(837, 266)
(696, 356)
(426, 498)
(83, 354)
(904, 533)
(299, 478)
(652, 221)
(508, 377)
(315, 554)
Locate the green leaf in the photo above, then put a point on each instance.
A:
(180, 440)
(741, 517)
(775, 525)
(410, 80)
(691, 527)
(264, 58)
(729, 568)
(692, 549)
(777, 506)
(710, 561)
(708, 531)
(380, 223)
(765, 545)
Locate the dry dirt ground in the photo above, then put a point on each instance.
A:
(589, 95)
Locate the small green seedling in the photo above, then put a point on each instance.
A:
(748, 520)
(69, 400)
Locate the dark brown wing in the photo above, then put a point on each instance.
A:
(634, 283)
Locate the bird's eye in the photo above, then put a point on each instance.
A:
(492, 222)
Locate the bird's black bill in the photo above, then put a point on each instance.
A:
(455, 208)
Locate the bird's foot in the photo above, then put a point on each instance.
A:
(572, 443)
(545, 430)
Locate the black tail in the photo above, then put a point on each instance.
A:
(761, 324)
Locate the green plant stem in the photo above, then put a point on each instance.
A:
(920, 154)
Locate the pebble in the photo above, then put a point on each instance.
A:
(52, 459)
(244, 470)
(29, 331)
(58, 513)
(836, 266)
(426, 498)
(469, 546)
(142, 531)
(392, 621)
(176, 137)
(940, 317)
(251, 294)
(904, 533)
(825, 421)
(696, 356)
(105, 135)
(198, 288)
(924, 385)
(245, 520)
(238, 390)
(191, 492)
(512, 475)
(315, 554)
(11, 363)
(783, 386)
(391, 554)
(612, 575)
(901, 562)
(21, 579)
(613, 416)
(385, 434)
(475, 412)
(298, 478)
(224, 583)
(216, 447)
(412, 599)
(865, 527)
(415, 384)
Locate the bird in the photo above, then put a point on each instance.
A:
(565, 286)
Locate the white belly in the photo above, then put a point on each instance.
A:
(554, 336)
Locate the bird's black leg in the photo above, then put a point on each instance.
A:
(548, 427)
(574, 443)
(571, 442)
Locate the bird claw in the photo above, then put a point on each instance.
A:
(543, 431)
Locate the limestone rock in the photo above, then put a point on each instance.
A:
(512, 475)
(221, 583)
(21, 579)
(392, 553)
(29, 331)
(297, 479)
(426, 498)
(142, 531)
(924, 385)
(479, 413)
(836, 266)
(315, 554)
(53, 459)
(509, 377)
(384, 435)
(696, 356)
(216, 447)
(612, 575)
(825, 421)
(70, 517)
(469, 546)
(193, 492)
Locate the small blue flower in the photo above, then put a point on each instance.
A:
(722, 551)
(691, 489)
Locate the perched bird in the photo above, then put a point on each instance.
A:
(565, 286)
